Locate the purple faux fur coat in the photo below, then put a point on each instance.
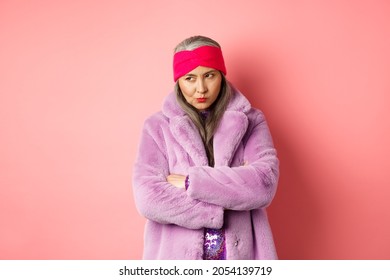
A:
(233, 194)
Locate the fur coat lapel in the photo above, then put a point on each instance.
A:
(228, 135)
(187, 136)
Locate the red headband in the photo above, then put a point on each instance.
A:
(207, 56)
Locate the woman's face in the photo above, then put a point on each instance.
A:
(201, 87)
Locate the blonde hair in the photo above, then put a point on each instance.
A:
(208, 126)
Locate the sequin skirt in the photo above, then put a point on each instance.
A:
(214, 247)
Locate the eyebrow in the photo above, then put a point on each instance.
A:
(193, 75)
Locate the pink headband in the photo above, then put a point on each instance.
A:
(208, 56)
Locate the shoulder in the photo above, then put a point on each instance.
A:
(255, 116)
(157, 117)
(241, 104)
(238, 102)
(154, 123)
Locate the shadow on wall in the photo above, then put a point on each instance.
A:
(294, 214)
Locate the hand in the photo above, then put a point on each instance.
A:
(177, 180)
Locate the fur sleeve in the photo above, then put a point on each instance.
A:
(245, 187)
(158, 200)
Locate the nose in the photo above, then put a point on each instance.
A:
(201, 86)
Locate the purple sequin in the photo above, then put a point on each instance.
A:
(214, 244)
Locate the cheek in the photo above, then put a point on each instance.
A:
(216, 88)
(187, 94)
(186, 89)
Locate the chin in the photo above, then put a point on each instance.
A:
(202, 107)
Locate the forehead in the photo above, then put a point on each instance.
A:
(200, 70)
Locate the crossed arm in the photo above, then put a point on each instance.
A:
(161, 196)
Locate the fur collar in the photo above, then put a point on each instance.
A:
(228, 135)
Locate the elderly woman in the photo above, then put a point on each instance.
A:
(206, 168)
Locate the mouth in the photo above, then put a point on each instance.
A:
(201, 100)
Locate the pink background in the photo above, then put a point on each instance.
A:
(78, 78)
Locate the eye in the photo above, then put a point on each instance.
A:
(209, 75)
(190, 79)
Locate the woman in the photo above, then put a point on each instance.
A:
(207, 167)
